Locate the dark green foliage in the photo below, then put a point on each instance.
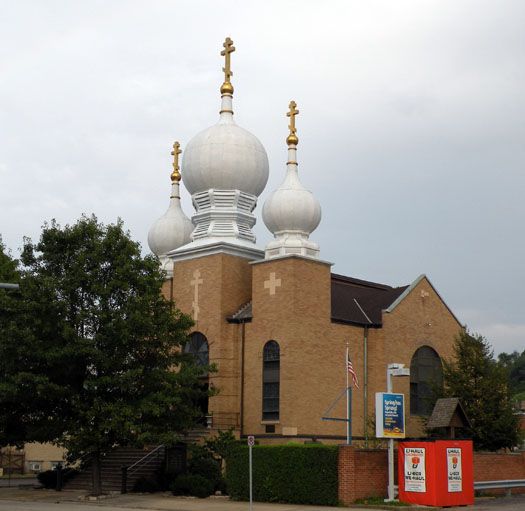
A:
(482, 386)
(90, 364)
(221, 445)
(146, 485)
(20, 354)
(201, 462)
(165, 479)
(299, 474)
(48, 478)
(192, 484)
(514, 364)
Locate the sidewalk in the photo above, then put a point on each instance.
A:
(157, 502)
(23, 499)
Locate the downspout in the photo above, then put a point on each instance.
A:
(365, 386)
(243, 332)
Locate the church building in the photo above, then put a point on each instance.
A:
(274, 320)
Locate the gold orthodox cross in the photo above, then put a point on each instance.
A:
(228, 50)
(292, 137)
(175, 175)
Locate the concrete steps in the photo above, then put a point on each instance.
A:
(111, 469)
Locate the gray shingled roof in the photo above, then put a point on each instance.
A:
(354, 301)
(444, 411)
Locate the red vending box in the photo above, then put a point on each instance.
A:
(438, 473)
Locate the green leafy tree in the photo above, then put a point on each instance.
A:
(481, 384)
(19, 385)
(514, 363)
(103, 351)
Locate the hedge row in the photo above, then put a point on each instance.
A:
(297, 474)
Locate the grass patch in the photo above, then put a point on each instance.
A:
(379, 501)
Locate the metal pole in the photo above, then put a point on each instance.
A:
(251, 478)
(124, 480)
(390, 446)
(365, 386)
(349, 413)
(348, 410)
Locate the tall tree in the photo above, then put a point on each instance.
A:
(18, 384)
(481, 384)
(514, 363)
(104, 345)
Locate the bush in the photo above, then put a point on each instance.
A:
(203, 463)
(192, 484)
(48, 478)
(298, 474)
(146, 485)
(166, 478)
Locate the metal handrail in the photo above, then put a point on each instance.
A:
(144, 458)
(503, 483)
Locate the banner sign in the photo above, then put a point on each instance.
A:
(390, 415)
(415, 479)
(454, 469)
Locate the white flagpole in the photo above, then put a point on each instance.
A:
(347, 399)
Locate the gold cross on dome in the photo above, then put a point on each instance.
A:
(292, 137)
(228, 50)
(175, 175)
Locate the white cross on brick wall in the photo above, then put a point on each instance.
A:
(272, 283)
(196, 282)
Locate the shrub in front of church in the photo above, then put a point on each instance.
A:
(48, 478)
(192, 484)
(203, 476)
(202, 462)
(297, 474)
(146, 485)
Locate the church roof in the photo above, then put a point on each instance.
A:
(361, 302)
(354, 301)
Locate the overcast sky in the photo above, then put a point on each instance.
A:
(411, 127)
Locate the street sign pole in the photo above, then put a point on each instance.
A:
(251, 442)
(391, 492)
(392, 370)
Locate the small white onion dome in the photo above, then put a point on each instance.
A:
(292, 213)
(292, 207)
(173, 229)
(225, 157)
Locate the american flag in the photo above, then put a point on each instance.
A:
(351, 370)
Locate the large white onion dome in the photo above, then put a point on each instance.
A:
(173, 229)
(291, 212)
(225, 157)
(225, 168)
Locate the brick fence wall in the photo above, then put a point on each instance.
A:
(364, 472)
(490, 466)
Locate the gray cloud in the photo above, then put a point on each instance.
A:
(411, 127)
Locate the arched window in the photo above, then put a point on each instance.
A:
(426, 375)
(271, 362)
(198, 347)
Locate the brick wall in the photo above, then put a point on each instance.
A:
(364, 472)
(494, 467)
